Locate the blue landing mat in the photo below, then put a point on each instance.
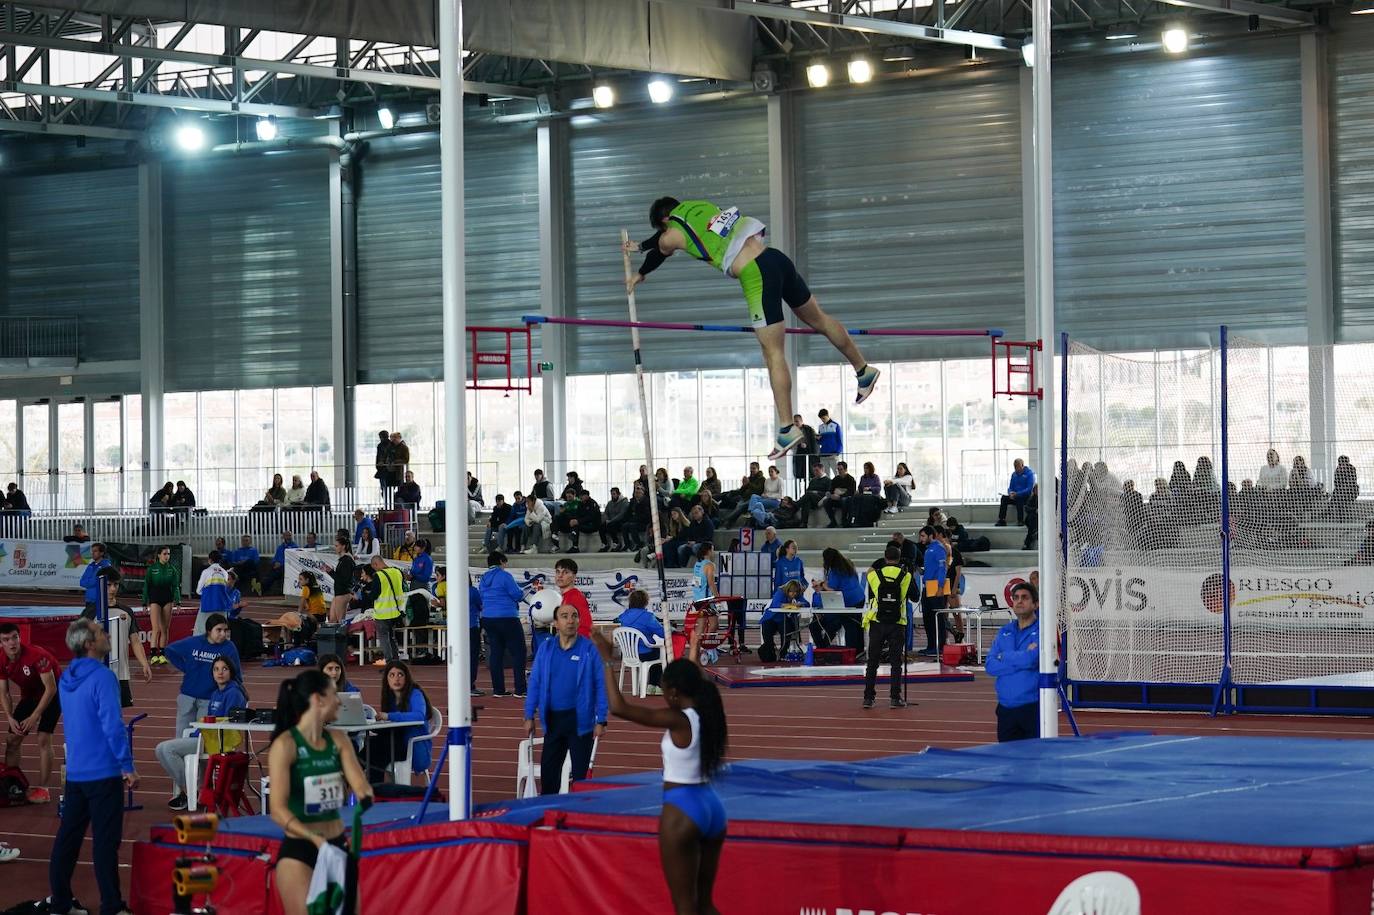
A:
(1245, 790)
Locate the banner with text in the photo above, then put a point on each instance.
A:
(46, 564)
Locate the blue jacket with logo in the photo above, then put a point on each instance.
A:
(194, 656)
(830, 437)
(592, 702)
(1015, 664)
(500, 594)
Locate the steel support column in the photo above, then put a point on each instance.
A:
(152, 344)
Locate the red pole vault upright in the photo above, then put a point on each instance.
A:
(499, 356)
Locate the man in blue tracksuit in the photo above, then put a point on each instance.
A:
(638, 617)
(568, 691)
(1014, 659)
(829, 441)
(934, 597)
(99, 766)
(1018, 492)
(90, 578)
(195, 657)
(501, 598)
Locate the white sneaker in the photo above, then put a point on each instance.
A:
(531, 551)
(788, 439)
(868, 380)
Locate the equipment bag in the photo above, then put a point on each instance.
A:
(14, 787)
(889, 598)
(246, 634)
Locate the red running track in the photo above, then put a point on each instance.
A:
(800, 723)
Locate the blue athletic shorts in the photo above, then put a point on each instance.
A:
(702, 806)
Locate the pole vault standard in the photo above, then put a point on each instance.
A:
(634, 324)
(745, 329)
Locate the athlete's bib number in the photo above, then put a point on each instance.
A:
(723, 222)
(323, 793)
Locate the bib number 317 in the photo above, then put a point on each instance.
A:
(324, 793)
(723, 222)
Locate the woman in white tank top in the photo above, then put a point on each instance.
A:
(691, 828)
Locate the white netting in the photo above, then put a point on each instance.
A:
(1299, 432)
(1143, 572)
(1143, 513)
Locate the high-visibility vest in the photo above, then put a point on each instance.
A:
(388, 603)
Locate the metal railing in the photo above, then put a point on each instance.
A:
(39, 341)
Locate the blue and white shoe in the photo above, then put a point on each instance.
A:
(868, 380)
(788, 438)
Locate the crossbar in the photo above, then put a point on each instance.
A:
(745, 329)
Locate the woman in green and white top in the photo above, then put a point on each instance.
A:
(161, 595)
(312, 770)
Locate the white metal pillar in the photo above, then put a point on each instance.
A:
(1044, 299)
(342, 321)
(152, 345)
(1321, 312)
(782, 223)
(553, 188)
(455, 400)
(1029, 252)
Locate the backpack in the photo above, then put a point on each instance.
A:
(14, 787)
(298, 657)
(888, 601)
(221, 791)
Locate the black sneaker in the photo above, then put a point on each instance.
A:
(476, 692)
(518, 695)
(745, 649)
(897, 702)
(178, 802)
(501, 695)
(868, 702)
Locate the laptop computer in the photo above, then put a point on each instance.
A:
(988, 602)
(831, 600)
(350, 710)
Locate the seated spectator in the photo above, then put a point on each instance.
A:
(699, 530)
(408, 493)
(1345, 485)
(1204, 480)
(685, 493)
(784, 512)
(817, 488)
(579, 515)
(711, 483)
(574, 482)
(542, 488)
(278, 571)
(402, 699)
(708, 504)
(674, 523)
(538, 524)
(1302, 489)
(512, 531)
(663, 487)
(78, 535)
(362, 522)
(906, 551)
(772, 484)
(182, 497)
(1018, 491)
(789, 566)
(368, 546)
(162, 499)
(1180, 484)
(235, 596)
(786, 625)
(617, 513)
(422, 566)
(312, 602)
(868, 501)
(935, 517)
(757, 481)
(637, 520)
(840, 575)
(1272, 475)
(965, 541)
(899, 489)
(317, 493)
(841, 495)
(312, 541)
(244, 561)
(638, 617)
(769, 542)
(407, 549)
(295, 496)
(735, 503)
(15, 500)
(276, 493)
(496, 523)
(475, 501)
(227, 695)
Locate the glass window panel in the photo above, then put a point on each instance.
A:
(109, 454)
(415, 421)
(71, 456)
(532, 434)
(256, 453)
(498, 443)
(762, 421)
(820, 387)
(1292, 419)
(324, 434)
(217, 456)
(179, 447)
(371, 414)
(971, 471)
(295, 445)
(627, 433)
(1354, 368)
(724, 442)
(1127, 397)
(587, 427)
(133, 451)
(917, 429)
(1189, 412)
(36, 453)
(675, 422)
(868, 430)
(9, 432)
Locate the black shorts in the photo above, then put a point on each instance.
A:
(160, 594)
(48, 722)
(768, 281)
(304, 850)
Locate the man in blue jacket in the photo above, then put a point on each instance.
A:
(195, 657)
(1014, 659)
(568, 690)
(245, 561)
(638, 617)
(501, 598)
(935, 571)
(100, 765)
(1018, 491)
(90, 578)
(829, 441)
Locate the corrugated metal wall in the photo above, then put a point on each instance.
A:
(622, 161)
(1179, 195)
(1352, 172)
(909, 208)
(70, 249)
(399, 277)
(246, 268)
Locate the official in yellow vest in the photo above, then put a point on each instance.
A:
(889, 588)
(387, 607)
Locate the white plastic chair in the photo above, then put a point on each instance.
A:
(1099, 893)
(401, 768)
(630, 641)
(192, 763)
(527, 772)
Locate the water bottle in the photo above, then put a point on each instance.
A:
(810, 654)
